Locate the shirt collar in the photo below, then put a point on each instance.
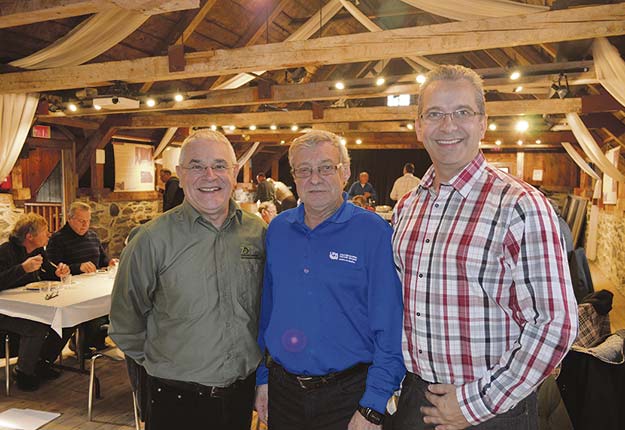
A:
(192, 215)
(464, 181)
(341, 215)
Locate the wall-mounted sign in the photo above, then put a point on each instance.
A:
(537, 175)
(42, 131)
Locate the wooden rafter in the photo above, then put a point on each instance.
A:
(572, 24)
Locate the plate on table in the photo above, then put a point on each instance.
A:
(36, 286)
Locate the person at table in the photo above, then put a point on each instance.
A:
(79, 247)
(489, 307)
(405, 183)
(23, 260)
(173, 195)
(363, 188)
(332, 307)
(185, 303)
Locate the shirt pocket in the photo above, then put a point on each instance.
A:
(182, 293)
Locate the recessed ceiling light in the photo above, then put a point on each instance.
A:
(252, 127)
(294, 127)
(492, 126)
(420, 78)
(380, 81)
(519, 142)
(358, 141)
(178, 97)
(515, 75)
(150, 102)
(72, 107)
(339, 85)
(518, 89)
(409, 126)
(97, 107)
(282, 142)
(498, 142)
(538, 141)
(213, 127)
(273, 127)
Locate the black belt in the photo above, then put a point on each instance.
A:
(312, 382)
(194, 387)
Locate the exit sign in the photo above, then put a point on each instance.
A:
(42, 131)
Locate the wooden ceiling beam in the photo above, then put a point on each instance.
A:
(499, 108)
(570, 24)
(16, 13)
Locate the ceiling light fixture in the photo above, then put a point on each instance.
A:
(150, 102)
(561, 87)
(514, 75)
(97, 107)
(282, 142)
(343, 141)
(538, 141)
(380, 81)
(178, 97)
(492, 126)
(519, 142)
(252, 127)
(518, 89)
(72, 107)
(521, 126)
(410, 126)
(213, 127)
(273, 127)
(294, 127)
(358, 141)
(498, 142)
(339, 85)
(420, 79)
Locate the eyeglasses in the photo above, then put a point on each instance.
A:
(460, 115)
(323, 170)
(199, 169)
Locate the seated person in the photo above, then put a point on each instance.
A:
(81, 249)
(267, 211)
(23, 260)
(362, 202)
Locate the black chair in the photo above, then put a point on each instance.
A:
(9, 339)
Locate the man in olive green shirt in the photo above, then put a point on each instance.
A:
(185, 302)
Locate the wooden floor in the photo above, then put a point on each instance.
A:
(68, 394)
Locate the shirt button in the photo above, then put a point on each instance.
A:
(420, 275)
(418, 314)
(427, 240)
(436, 205)
(306, 270)
(420, 352)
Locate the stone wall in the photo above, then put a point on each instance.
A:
(611, 246)
(8, 216)
(113, 220)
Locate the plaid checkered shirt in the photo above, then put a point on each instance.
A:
(488, 301)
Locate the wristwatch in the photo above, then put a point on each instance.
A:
(371, 415)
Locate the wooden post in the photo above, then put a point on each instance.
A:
(247, 172)
(275, 169)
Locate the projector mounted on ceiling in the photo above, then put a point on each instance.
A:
(116, 103)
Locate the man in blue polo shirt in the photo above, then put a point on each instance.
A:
(331, 313)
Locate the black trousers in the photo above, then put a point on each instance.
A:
(329, 407)
(180, 407)
(524, 416)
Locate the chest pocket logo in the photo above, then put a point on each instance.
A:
(251, 252)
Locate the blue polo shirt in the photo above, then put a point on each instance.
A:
(332, 299)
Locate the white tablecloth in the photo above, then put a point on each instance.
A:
(87, 298)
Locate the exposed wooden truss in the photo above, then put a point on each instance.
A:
(573, 24)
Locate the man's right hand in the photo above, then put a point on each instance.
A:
(261, 403)
(33, 263)
(88, 267)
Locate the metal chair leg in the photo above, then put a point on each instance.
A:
(7, 365)
(136, 411)
(92, 385)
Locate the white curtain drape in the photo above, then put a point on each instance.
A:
(248, 154)
(304, 32)
(610, 68)
(592, 150)
(580, 161)
(462, 10)
(16, 115)
(91, 38)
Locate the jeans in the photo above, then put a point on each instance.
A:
(177, 407)
(524, 416)
(328, 407)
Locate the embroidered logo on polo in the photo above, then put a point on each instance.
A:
(250, 251)
(347, 258)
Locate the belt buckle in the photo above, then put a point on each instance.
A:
(302, 380)
(215, 392)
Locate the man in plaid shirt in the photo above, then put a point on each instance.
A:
(489, 310)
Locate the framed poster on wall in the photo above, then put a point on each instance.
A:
(134, 167)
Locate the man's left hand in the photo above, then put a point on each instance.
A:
(62, 270)
(113, 262)
(358, 422)
(445, 413)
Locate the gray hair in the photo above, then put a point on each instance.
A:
(316, 137)
(454, 73)
(28, 223)
(78, 206)
(207, 135)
